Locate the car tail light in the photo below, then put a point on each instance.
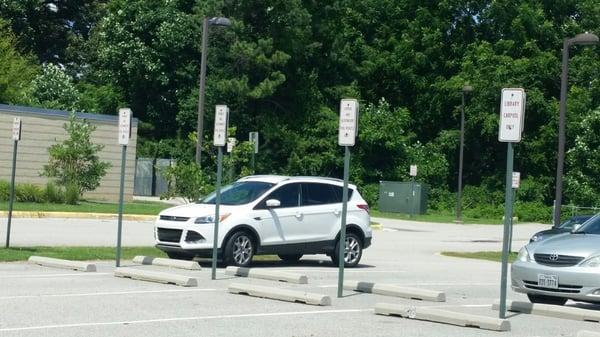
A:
(364, 207)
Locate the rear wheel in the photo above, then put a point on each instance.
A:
(290, 257)
(240, 249)
(353, 251)
(544, 299)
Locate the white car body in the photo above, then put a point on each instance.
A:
(304, 229)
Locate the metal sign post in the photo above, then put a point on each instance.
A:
(253, 138)
(16, 136)
(348, 130)
(124, 135)
(512, 111)
(219, 140)
(516, 180)
(413, 174)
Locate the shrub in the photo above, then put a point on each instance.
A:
(54, 194)
(4, 190)
(441, 199)
(29, 193)
(533, 211)
(72, 194)
(484, 211)
(370, 192)
(186, 180)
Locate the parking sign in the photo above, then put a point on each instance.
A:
(221, 124)
(512, 112)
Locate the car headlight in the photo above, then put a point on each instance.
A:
(593, 262)
(523, 255)
(210, 218)
(536, 237)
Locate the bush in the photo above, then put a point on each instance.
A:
(487, 211)
(533, 211)
(54, 194)
(441, 199)
(29, 193)
(72, 194)
(4, 190)
(186, 180)
(370, 192)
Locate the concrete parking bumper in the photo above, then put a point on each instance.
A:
(279, 294)
(267, 274)
(394, 290)
(174, 263)
(64, 264)
(584, 333)
(154, 276)
(577, 314)
(442, 316)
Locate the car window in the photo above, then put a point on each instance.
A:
(592, 226)
(239, 193)
(288, 195)
(320, 194)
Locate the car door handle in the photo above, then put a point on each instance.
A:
(298, 215)
(336, 212)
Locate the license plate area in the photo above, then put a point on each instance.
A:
(548, 281)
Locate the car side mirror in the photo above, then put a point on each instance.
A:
(271, 203)
(576, 227)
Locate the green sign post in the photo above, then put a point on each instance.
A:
(124, 135)
(16, 136)
(512, 111)
(219, 140)
(348, 130)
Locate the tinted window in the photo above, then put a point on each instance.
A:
(239, 193)
(288, 195)
(319, 194)
(592, 226)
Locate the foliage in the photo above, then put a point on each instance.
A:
(54, 89)
(74, 162)
(533, 212)
(29, 193)
(54, 194)
(72, 194)
(370, 193)
(17, 70)
(4, 190)
(186, 180)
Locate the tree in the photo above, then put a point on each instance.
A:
(16, 70)
(75, 162)
(54, 89)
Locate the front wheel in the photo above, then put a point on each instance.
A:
(544, 299)
(353, 251)
(240, 249)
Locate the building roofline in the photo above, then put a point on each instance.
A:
(60, 113)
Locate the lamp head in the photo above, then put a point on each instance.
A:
(467, 88)
(584, 39)
(219, 21)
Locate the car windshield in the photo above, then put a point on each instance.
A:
(592, 226)
(239, 193)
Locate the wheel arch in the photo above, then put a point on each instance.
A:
(354, 229)
(245, 228)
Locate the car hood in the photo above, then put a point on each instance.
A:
(584, 245)
(196, 210)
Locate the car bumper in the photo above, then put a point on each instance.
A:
(187, 236)
(577, 283)
(367, 242)
(207, 253)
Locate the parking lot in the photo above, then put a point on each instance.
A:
(41, 301)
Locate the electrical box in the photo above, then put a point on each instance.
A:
(403, 197)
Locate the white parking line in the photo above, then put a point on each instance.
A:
(53, 275)
(179, 319)
(110, 293)
(425, 284)
(331, 270)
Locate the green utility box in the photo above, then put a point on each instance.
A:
(403, 197)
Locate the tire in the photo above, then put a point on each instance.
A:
(180, 256)
(290, 257)
(240, 249)
(544, 299)
(354, 244)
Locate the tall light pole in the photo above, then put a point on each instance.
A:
(585, 39)
(217, 21)
(465, 89)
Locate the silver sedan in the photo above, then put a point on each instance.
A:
(566, 266)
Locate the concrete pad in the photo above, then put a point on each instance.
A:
(267, 274)
(64, 264)
(442, 316)
(394, 290)
(279, 294)
(155, 276)
(174, 263)
(584, 333)
(549, 310)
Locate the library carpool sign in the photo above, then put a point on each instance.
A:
(512, 113)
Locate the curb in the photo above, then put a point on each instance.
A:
(394, 290)
(267, 274)
(286, 295)
(78, 215)
(156, 276)
(442, 316)
(584, 333)
(64, 264)
(376, 226)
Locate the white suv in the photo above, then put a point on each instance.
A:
(287, 216)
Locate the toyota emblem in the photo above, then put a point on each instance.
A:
(553, 257)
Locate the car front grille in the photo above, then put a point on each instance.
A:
(562, 288)
(557, 260)
(174, 218)
(168, 235)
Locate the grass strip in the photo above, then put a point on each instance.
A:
(490, 256)
(134, 207)
(441, 218)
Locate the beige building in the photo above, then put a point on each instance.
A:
(41, 128)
